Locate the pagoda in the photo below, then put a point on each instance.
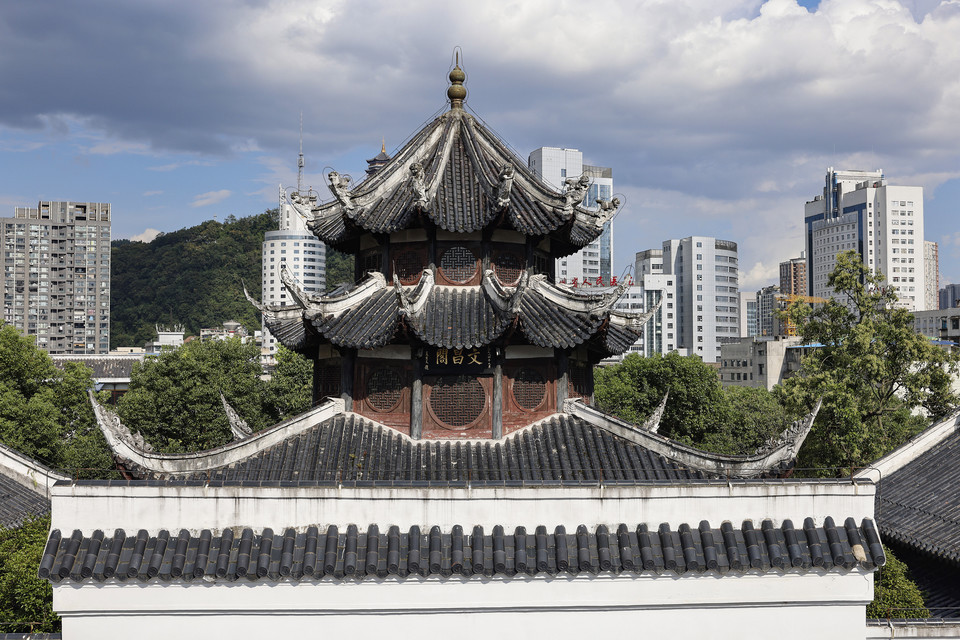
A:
(456, 327)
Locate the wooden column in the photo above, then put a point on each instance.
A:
(348, 360)
(416, 399)
(498, 396)
(563, 376)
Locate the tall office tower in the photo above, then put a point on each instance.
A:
(595, 261)
(749, 318)
(766, 305)
(296, 247)
(56, 277)
(883, 223)
(793, 276)
(931, 275)
(708, 295)
(950, 296)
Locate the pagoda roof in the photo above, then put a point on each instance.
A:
(369, 553)
(369, 314)
(330, 446)
(459, 176)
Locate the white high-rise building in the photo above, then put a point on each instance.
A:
(706, 275)
(296, 247)
(593, 263)
(883, 223)
(56, 277)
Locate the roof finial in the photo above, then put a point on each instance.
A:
(456, 92)
(383, 144)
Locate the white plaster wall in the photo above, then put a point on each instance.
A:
(195, 508)
(708, 605)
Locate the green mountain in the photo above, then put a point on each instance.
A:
(190, 277)
(193, 277)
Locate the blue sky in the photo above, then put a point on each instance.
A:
(718, 118)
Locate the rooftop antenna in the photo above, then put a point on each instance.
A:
(300, 158)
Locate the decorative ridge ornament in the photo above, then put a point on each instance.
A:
(238, 426)
(114, 430)
(339, 187)
(456, 92)
(412, 302)
(652, 423)
(504, 186)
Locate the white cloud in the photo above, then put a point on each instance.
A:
(148, 235)
(210, 197)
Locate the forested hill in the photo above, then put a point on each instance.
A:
(190, 277)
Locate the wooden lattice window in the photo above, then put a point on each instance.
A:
(508, 266)
(371, 260)
(328, 383)
(384, 389)
(408, 265)
(579, 379)
(457, 401)
(529, 388)
(458, 264)
(542, 263)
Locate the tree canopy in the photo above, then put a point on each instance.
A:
(44, 411)
(871, 368)
(26, 601)
(699, 412)
(174, 398)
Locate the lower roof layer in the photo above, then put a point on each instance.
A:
(355, 554)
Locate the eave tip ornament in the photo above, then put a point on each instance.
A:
(456, 92)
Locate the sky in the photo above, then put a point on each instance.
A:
(718, 117)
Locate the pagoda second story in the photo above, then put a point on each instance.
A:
(455, 327)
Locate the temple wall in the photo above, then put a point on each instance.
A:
(153, 508)
(797, 606)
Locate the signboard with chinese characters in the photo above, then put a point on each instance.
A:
(470, 360)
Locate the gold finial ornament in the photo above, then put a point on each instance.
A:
(456, 91)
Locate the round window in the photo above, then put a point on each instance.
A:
(408, 266)
(529, 388)
(508, 267)
(456, 401)
(458, 264)
(384, 388)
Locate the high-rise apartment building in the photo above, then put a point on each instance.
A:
(749, 318)
(793, 276)
(950, 296)
(931, 274)
(593, 263)
(56, 276)
(706, 277)
(766, 307)
(883, 223)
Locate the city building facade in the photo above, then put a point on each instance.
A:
(858, 211)
(749, 318)
(706, 275)
(759, 362)
(594, 264)
(931, 266)
(767, 308)
(56, 276)
(793, 276)
(950, 296)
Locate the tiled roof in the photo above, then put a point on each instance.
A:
(368, 325)
(347, 448)
(355, 554)
(459, 190)
(547, 324)
(18, 502)
(917, 505)
(104, 366)
(457, 318)
(939, 581)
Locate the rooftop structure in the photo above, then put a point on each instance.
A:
(453, 474)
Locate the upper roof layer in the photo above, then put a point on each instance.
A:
(459, 176)
(369, 314)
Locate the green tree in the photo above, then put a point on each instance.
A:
(871, 369)
(44, 411)
(290, 390)
(339, 269)
(174, 398)
(26, 601)
(895, 595)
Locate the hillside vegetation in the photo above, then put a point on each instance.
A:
(190, 277)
